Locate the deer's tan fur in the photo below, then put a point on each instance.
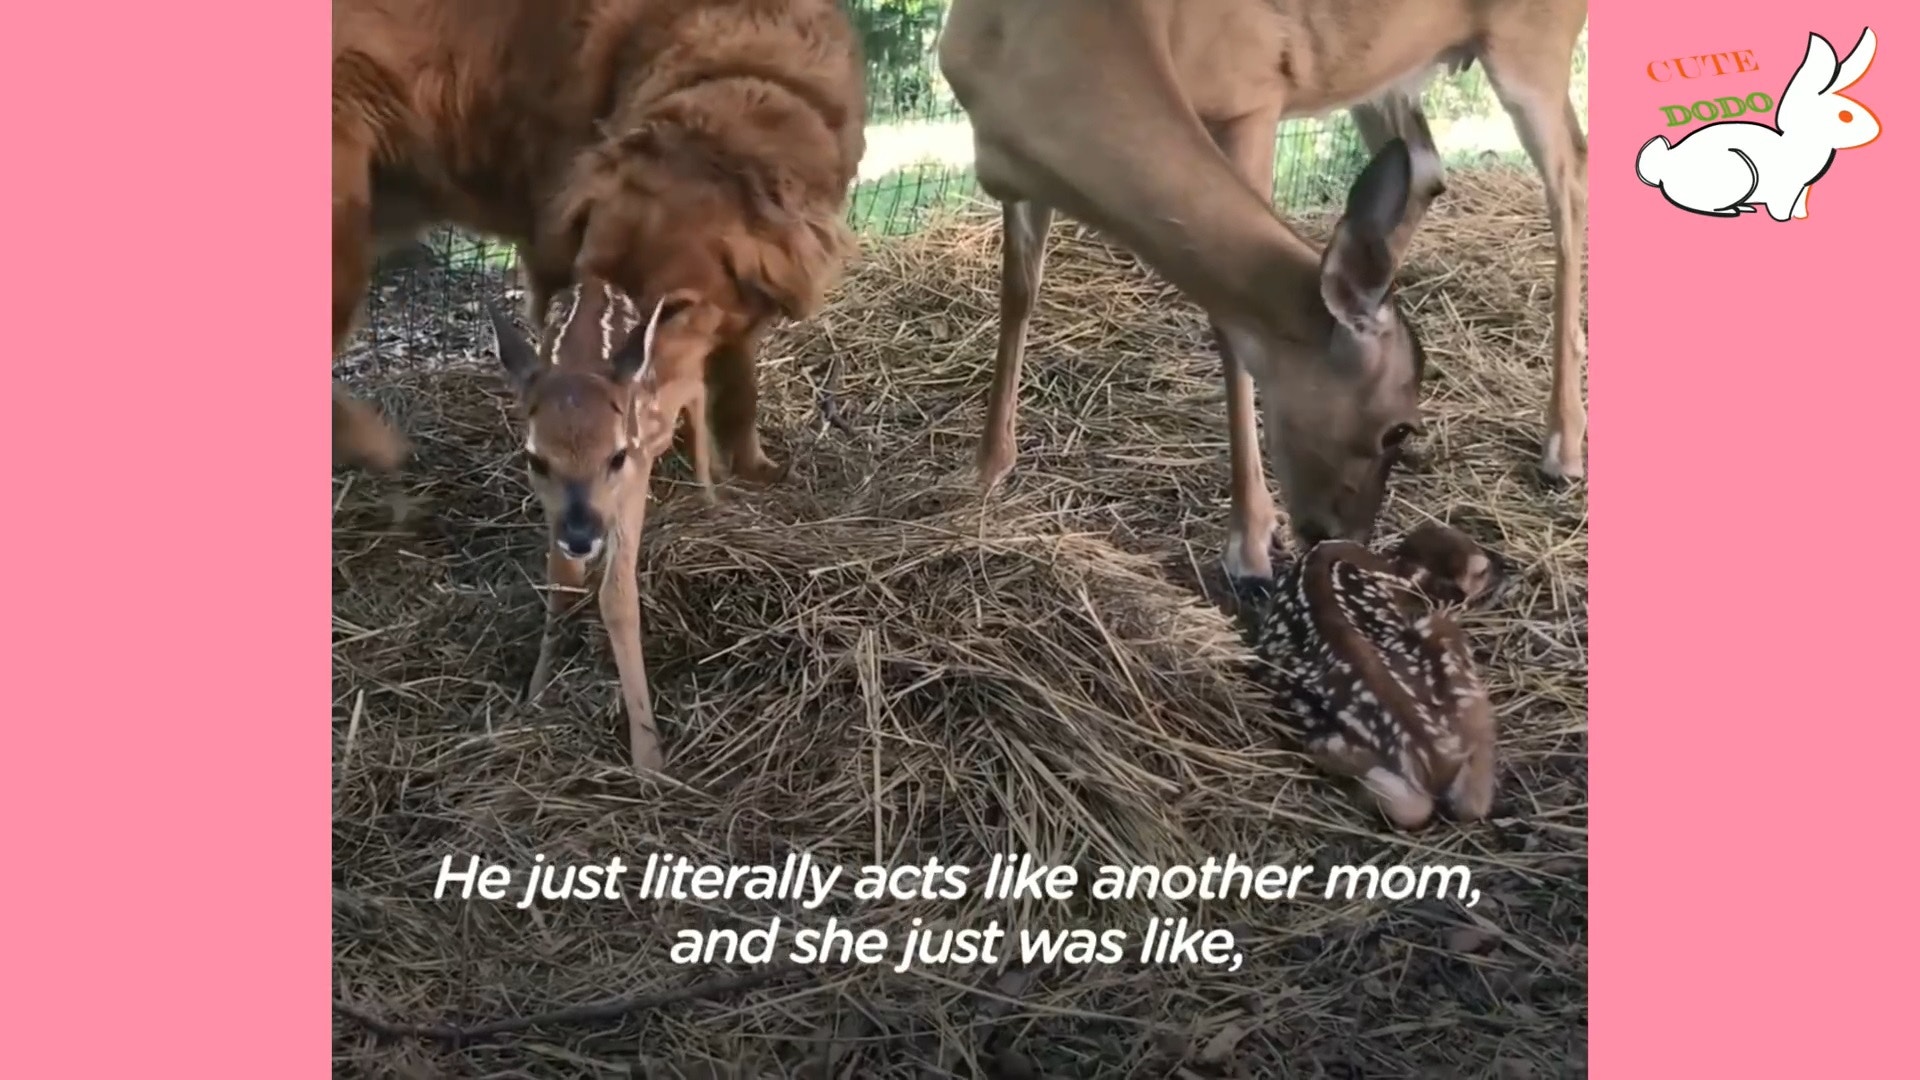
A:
(601, 396)
(1154, 121)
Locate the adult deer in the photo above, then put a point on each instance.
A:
(1154, 121)
(701, 149)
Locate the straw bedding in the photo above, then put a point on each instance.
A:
(869, 664)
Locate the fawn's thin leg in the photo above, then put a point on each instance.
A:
(1531, 80)
(1403, 803)
(1023, 259)
(734, 383)
(361, 436)
(1470, 796)
(620, 611)
(1248, 144)
(700, 447)
(566, 579)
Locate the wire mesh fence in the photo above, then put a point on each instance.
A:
(918, 164)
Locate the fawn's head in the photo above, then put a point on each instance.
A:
(592, 393)
(1448, 565)
(1336, 430)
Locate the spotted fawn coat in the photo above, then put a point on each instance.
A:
(1383, 684)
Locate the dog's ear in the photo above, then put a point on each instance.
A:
(789, 263)
(585, 209)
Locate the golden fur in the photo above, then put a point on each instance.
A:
(700, 148)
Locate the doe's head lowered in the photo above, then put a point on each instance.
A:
(600, 405)
(1351, 397)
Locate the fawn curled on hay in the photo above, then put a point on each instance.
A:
(867, 664)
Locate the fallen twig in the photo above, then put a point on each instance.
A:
(615, 1009)
(830, 399)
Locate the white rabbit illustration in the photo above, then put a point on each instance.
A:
(1727, 168)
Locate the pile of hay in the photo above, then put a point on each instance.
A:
(869, 664)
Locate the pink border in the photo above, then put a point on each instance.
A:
(167, 757)
(168, 745)
(1751, 394)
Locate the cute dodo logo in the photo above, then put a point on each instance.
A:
(1734, 167)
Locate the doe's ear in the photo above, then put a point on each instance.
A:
(1357, 270)
(633, 360)
(517, 354)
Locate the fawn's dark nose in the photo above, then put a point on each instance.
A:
(579, 536)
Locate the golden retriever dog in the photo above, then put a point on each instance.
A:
(695, 153)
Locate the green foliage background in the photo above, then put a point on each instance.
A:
(1315, 159)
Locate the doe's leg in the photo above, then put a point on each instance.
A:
(1023, 257)
(1248, 143)
(1531, 80)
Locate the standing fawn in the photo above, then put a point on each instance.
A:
(1153, 121)
(602, 394)
(1383, 684)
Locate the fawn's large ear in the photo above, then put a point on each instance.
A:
(1357, 270)
(517, 354)
(1816, 73)
(633, 360)
(1856, 63)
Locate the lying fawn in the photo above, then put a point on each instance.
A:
(601, 403)
(1383, 683)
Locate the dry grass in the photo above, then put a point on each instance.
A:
(867, 664)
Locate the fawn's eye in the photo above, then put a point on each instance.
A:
(618, 461)
(536, 463)
(1395, 435)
